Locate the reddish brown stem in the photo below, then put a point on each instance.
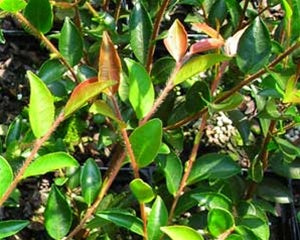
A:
(263, 157)
(236, 88)
(105, 5)
(155, 32)
(189, 167)
(37, 145)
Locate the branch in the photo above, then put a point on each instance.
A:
(37, 145)
(155, 32)
(35, 32)
(236, 88)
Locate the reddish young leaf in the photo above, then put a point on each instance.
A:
(109, 63)
(176, 41)
(206, 44)
(84, 92)
(203, 27)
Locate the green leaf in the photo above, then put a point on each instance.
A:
(295, 5)
(123, 219)
(172, 167)
(11, 227)
(41, 106)
(181, 232)
(14, 131)
(50, 162)
(90, 181)
(6, 175)
(197, 65)
(213, 166)
(70, 43)
(235, 237)
(58, 214)
(246, 233)
(259, 227)
(101, 107)
(290, 151)
(2, 38)
(256, 171)
(241, 123)
(141, 91)
(235, 11)
(51, 70)
(212, 200)
(199, 93)
(84, 92)
(145, 141)
(282, 168)
(141, 190)
(161, 74)
(274, 191)
(229, 104)
(218, 221)
(157, 218)
(12, 6)
(140, 26)
(254, 47)
(42, 18)
(217, 13)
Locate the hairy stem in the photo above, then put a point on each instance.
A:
(108, 180)
(264, 158)
(190, 164)
(236, 88)
(132, 161)
(155, 32)
(37, 145)
(46, 42)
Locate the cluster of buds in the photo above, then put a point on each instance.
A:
(293, 134)
(221, 132)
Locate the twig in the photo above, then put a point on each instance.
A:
(263, 157)
(117, 10)
(155, 32)
(105, 5)
(47, 43)
(243, 15)
(225, 234)
(236, 88)
(37, 145)
(91, 9)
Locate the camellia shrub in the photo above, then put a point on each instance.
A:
(190, 98)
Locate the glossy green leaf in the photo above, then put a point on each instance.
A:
(140, 26)
(229, 104)
(295, 5)
(141, 190)
(51, 70)
(145, 141)
(254, 47)
(161, 74)
(198, 93)
(2, 38)
(235, 237)
(181, 232)
(157, 218)
(101, 107)
(11, 227)
(246, 233)
(282, 168)
(50, 162)
(274, 191)
(141, 91)
(213, 166)
(217, 13)
(245, 208)
(84, 92)
(123, 219)
(235, 11)
(218, 221)
(259, 227)
(90, 181)
(58, 214)
(197, 65)
(256, 171)
(41, 106)
(241, 123)
(12, 6)
(70, 43)
(212, 200)
(14, 131)
(42, 18)
(289, 150)
(173, 169)
(6, 175)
